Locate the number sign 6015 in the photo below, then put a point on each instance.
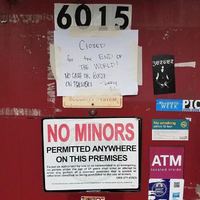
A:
(68, 15)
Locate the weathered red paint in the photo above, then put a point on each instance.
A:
(25, 32)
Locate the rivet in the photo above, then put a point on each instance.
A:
(92, 112)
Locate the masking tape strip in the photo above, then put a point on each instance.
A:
(186, 64)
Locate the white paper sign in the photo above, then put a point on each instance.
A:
(91, 154)
(96, 63)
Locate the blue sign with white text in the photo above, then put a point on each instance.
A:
(178, 105)
(169, 105)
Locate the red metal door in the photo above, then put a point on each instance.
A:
(28, 91)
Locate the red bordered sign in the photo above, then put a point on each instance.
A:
(91, 154)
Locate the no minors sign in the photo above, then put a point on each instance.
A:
(91, 154)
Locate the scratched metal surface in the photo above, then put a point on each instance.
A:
(28, 90)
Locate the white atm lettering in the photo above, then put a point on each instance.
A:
(164, 160)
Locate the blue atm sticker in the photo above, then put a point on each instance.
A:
(178, 105)
(159, 189)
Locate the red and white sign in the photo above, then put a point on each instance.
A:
(166, 162)
(91, 154)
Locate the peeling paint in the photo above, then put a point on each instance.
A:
(3, 18)
(34, 112)
(25, 18)
(32, 39)
(50, 36)
(197, 189)
(169, 32)
(28, 50)
(40, 36)
(50, 75)
(33, 36)
(51, 85)
(166, 35)
(58, 110)
(51, 92)
(189, 187)
(52, 60)
(148, 109)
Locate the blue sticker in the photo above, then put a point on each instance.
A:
(176, 195)
(159, 189)
(178, 105)
(169, 104)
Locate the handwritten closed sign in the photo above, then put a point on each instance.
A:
(96, 64)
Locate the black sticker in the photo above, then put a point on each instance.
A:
(163, 74)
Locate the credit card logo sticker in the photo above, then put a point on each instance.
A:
(176, 195)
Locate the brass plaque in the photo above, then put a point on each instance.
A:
(92, 102)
